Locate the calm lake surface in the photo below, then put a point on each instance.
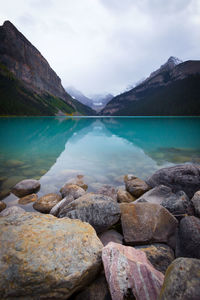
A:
(56, 149)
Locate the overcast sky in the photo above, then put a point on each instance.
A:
(105, 45)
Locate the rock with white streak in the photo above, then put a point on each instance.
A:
(60, 205)
(129, 273)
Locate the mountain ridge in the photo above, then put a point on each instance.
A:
(137, 100)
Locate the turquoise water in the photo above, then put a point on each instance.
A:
(54, 150)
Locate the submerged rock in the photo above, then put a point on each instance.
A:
(144, 223)
(160, 255)
(124, 196)
(2, 206)
(196, 203)
(28, 199)
(184, 177)
(25, 187)
(46, 258)
(135, 186)
(72, 190)
(188, 241)
(98, 210)
(110, 236)
(182, 280)
(45, 203)
(78, 181)
(60, 205)
(129, 273)
(13, 210)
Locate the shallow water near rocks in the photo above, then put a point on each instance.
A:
(56, 149)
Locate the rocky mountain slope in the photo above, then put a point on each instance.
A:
(28, 84)
(174, 89)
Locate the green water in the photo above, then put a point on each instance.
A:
(54, 150)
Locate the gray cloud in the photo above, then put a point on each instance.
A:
(106, 45)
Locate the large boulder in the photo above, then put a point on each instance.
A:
(72, 190)
(135, 186)
(110, 236)
(97, 290)
(12, 210)
(129, 273)
(26, 187)
(196, 203)
(182, 280)
(98, 210)
(144, 223)
(160, 255)
(45, 203)
(46, 258)
(184, 177)
(188, 240)
(2, 206)
(176, 203)
(61, 204)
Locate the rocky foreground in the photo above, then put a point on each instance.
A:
(141, 242)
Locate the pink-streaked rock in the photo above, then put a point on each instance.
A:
(129, 273)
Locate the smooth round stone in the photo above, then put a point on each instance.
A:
(26, 187)
(78, 181)
(28, 199)
(45, 203)
(2, 205)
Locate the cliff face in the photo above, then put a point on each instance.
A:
(26, 62)
(171, 90)
(33, 81)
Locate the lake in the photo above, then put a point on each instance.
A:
(103, 149)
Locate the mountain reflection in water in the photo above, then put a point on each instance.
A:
(103, 149)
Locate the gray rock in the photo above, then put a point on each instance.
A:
(110, 236)
(60, 205)
(98, 210)
(45, 203)
(108, 190)
(182, 280)
(160, 255)
(184, 177)
(196, 203)
(46, 258)
(72, 190)
(176, 203)
(156, 195)
(26, 187)
(135, 186)
(188, 240)
(13, 210)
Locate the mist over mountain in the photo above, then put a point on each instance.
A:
(173, 89)
(95, 101)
